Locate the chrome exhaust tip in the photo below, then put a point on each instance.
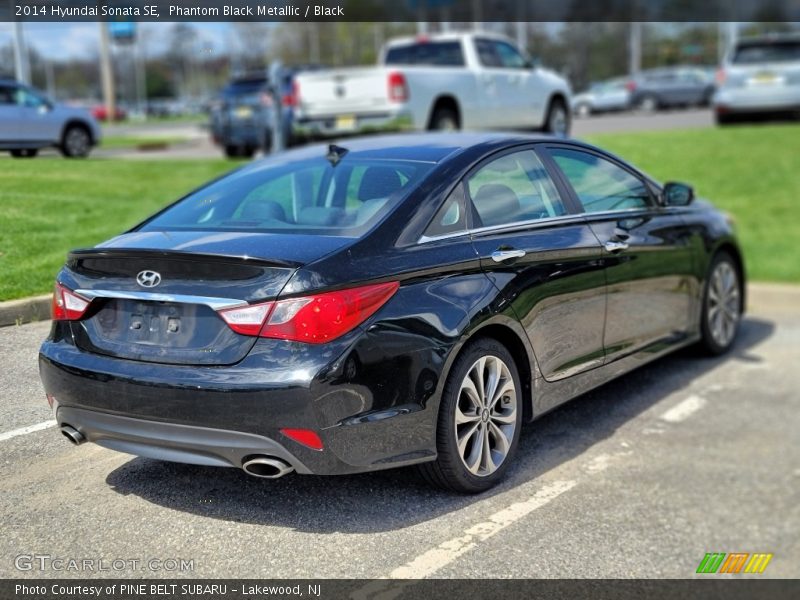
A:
(73, 435)
(267, 467)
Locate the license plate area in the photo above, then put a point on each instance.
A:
(346, 122)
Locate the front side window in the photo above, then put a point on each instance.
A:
(600, 184)
(513, 188)
(510, 58)
(306, 196)
(29, 98)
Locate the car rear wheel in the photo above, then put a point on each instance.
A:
(648, 103)
(444, 119)
(76, 142)
(583, 110)
(25, 153)
(722, 305)
(479, 423)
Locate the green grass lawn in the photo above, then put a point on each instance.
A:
(48, 206)
(133, 141)
(752, 172)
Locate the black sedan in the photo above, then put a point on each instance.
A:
(392, 301)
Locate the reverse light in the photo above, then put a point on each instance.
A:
(307, 437)
(67, 306)
(247, 320)
(398, 88)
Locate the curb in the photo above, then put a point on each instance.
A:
(25, 310)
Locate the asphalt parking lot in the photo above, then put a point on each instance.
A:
(639, 478)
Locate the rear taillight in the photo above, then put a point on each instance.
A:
(311, 319)
(630, 86)
(247, 320)
(292, 98)
(721, 76)
(398, 89)
(67, 306)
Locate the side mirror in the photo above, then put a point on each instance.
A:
(677, 194)
(533, 62)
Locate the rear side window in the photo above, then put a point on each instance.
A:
(305, 196)
(754, 53)
(600, 184)
(434, 54)
(513, 188)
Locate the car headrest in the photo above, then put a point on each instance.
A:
(378, 182)
(323, 216)
(496, 203)
(263, 210)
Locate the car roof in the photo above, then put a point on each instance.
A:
(448, 36)
(420, 147)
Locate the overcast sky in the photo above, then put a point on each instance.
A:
(69, 40)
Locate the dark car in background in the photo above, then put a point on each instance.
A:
(671, 87)
(401, 300)
(760, 76)
(242, 120)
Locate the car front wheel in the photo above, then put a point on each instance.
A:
(557, 121)
(722, 305)
(76, 142)
(479, 423)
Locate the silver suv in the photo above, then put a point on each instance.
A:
(759, 76)
(30, 121)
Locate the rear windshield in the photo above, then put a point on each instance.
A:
(307, 196)
(767, 52)
(446, 54)
(244, 87)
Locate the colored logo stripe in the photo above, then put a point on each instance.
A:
(758, 562)
(716, 561)
(711, 562)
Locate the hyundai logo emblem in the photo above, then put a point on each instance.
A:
(148, 279)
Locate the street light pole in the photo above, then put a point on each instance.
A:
(21, 70)
(106, 72)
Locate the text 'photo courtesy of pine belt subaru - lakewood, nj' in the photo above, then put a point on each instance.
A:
(385, 302)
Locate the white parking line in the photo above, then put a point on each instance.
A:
(428, 563)
(26, 430)
(684, 410)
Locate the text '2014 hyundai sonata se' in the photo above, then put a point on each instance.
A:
(399, 300)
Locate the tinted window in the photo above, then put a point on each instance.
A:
(600, 184)
(308, 196)
(513, 188)
(8, 95)
(510, 58)
(486, 53)
(428, 53)
(451, 217)
(243, 87)
(29, 98)
(767, 52)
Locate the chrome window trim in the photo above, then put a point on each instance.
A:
(535, 223)
(211, 302)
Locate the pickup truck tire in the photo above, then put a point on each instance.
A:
(444, 119)
(76, 142)
(557, 121)
(25, 153)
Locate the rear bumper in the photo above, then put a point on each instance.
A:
(218, 415)
(752, 100)
(338, 125)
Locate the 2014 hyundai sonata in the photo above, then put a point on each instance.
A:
(392, 301)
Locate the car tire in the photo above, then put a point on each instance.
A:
(247, 152)
(723, 119)
(25, 153)
(557, 122)
(476, 443)
(648, 103)
(444, 119)
(722, 305)
(76, 142)
(233, 151)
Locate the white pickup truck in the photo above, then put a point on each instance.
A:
(439, 82)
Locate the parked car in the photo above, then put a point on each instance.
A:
(671, 87)
(441, 82)
(605, 96)
(100, 112)
(29, 121)
(400, 300)
(242, 120)
(759, 76)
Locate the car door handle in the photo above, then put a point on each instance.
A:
(616, 246)
(503, 255)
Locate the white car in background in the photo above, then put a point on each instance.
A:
(604, 96)
(759, 76)
(29, 121)
(439, 82)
